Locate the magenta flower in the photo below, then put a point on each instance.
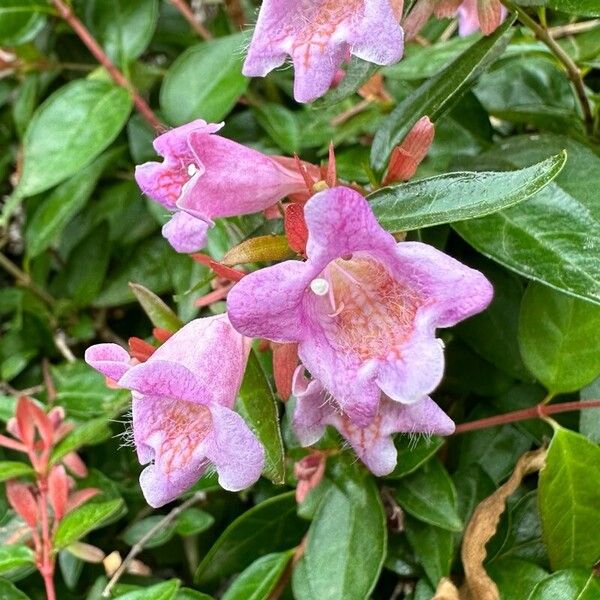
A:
(319, 35)
(205, 176)
(373, 444)
(362, 308)
(183, 396)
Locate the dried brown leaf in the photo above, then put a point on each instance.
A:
(446, 590)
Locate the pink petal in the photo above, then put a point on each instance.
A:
(185, 233)
(109, 359)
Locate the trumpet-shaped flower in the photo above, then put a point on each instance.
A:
(362, 308)
(319, 35)
(183, 397)
(373, 444)
(204, 176)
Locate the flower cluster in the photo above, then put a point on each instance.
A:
(356, 309)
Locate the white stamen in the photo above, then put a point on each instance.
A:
(440, 343)
(192, 169)
(319, 286)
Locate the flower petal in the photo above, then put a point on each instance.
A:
(110, 359)
(424, 416)
(185, 233)
(312, 410)
(234, 450)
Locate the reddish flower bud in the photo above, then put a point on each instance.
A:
(408, 155)
(309, 471)
(285, 361)
(22, 500)
(162, 335)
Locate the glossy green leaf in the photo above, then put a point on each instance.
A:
(515, 579)
(260, 578)
(436, 96)
(281, 124)
(193, 521)
(205, 81)
(256, 403)
(589, 8)
(69, 130)
(123, 27)
(167, 590)
(84, 519)
(14, 556)
(433, 546)
(569, 501)
(90, 433)
(554, 237)
(346, 543)
(559, 337)
(271, 526)
(189, 594)
(136, 531)
(158, 312)
(413, 453)
(11, 469)
(459, 196)
(429, 495)
(571, 584)
(61, 205)
(9, 592)
(21, 20)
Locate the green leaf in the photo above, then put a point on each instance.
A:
(21, 20)
(189, 594)
(14, 556)
(271, 526)
(205, 81)
(61, 205)
(260, 578)
(554, 237)
(167, 590)
(346, 544)
(192, 521)
(515, 579)
(459, 196)
(559, 337)
(9, 592)
(412, 454)
(158, 312)
(588, 8)
(136, 531)
(281, 124)
(571, 584)
(433, 546)
(73, 126)
(429, 496)
(437, 94)
(10, 469)
(257, 405)
(123, 27)
(569, 501)
(84, 519)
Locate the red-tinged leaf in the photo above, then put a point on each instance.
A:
(75, 465)
(7, 442)
(22, 500)
(295, 228)
(139, 349)
(285, 361)
(58, 491)
(331, 177)
(309, 472)
(214, 296)
(80, 497)
(221, 270)
(258, 249)
(25, 427)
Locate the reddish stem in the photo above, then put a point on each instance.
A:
(87, 38)
(47, 566)
(535, 412)
(190, 17)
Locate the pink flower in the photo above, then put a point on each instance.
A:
(204, 176)
(373, 444)
(318, 35)
(183, 397)
(362, 308)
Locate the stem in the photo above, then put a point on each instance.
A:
(188, 14)
(139, 546)
(573, 71)
(541, 411)
(47, 566)
(573, 28)
(25, 281)
(92, 45)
